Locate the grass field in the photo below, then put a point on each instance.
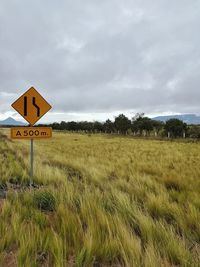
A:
(100, 201)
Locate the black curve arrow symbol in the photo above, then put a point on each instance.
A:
(36, 106)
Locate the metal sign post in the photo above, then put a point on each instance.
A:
(31, 161)
(31, 106)
(31, 133)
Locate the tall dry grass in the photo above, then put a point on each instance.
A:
(116, 202)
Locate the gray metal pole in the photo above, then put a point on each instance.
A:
(31, 161)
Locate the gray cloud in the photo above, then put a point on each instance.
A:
(102, 56)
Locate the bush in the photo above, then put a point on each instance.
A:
(194, 131)
(44, 200)
(3, 185)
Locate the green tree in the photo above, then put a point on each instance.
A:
(157, 126)
(176, 127)
(97, 126)
(109, 126)
(140, 123)
(122, 124)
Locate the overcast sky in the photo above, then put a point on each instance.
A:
(96, 58)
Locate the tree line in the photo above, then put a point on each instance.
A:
(139, 125)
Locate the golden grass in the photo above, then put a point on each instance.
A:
(119, 202)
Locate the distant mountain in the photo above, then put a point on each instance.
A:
(11, 122)
(187, 118)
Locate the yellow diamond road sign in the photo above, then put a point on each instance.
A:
(31, 105)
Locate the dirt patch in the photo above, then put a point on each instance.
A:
(112, 176)
(70, 262)
(9, 260)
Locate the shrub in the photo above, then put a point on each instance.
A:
(44, 200)
(174, 183)
(3, 185)
(194, 131)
